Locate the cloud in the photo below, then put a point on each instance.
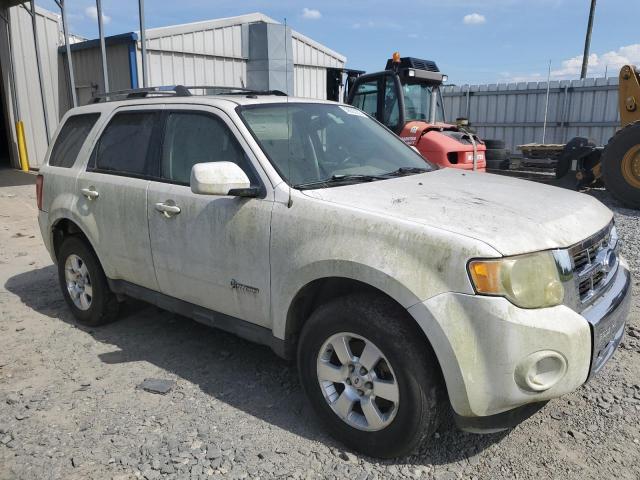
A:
(474, 19)
(611, 61)
(570, 68)
(92, 13)
(311, 13)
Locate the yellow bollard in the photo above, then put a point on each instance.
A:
(22, 146)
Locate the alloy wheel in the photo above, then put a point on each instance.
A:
(358, 382)
(78, 282)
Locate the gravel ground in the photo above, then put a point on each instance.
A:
(70, 407)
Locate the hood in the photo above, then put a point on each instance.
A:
(513, 216)
(448, 137)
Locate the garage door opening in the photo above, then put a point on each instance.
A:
(5, 157)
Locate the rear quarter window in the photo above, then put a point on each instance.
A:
(71, 138)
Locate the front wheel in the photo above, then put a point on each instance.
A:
(370, 375)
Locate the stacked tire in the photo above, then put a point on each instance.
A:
(496, 155)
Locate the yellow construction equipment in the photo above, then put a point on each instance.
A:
(620, 160)
(616, 165)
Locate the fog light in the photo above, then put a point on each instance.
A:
(540, 371)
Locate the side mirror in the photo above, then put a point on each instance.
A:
(220, 178)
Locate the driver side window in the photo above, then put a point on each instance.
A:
(193, 137)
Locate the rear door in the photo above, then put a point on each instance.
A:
(60, 174)
(215, 252)
(112, 194)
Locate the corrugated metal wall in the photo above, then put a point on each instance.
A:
(201, 57)
(203, 54)
(514, 112)
(310, 67)
(87, 67)
(26, 79)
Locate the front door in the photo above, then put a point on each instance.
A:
(112, 195)
(380, 95)
(212, 251)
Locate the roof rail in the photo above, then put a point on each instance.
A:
(180, 91)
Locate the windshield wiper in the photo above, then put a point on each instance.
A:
(340, 179)
(406, 171)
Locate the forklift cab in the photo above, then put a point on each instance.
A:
(407, 90)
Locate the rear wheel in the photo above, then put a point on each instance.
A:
(621, 165)
(84, 285)
(370, 375)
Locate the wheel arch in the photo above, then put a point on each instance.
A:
(321, 290)
(63, 227)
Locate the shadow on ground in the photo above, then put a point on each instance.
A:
(10, 177)
(246, 376)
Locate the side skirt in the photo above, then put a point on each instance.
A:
(241, 328)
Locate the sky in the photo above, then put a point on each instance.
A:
(473, 41)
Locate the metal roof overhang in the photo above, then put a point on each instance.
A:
(129, 37)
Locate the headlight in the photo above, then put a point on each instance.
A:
(528, 281)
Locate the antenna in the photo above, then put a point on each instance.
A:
(286, 79)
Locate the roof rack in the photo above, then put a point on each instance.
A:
(180, 91)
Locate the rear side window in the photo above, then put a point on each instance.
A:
(124, 144)
(71, 138)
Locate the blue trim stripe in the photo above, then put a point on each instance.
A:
(133, 65)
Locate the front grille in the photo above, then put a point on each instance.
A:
(593, 263)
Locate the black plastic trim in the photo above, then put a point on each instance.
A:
(241, 328)
(498, 422)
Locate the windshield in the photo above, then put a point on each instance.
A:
(314, 142)
(417, 102)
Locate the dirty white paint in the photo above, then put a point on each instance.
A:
(481, 340)
(217, 178)
(410, 237)
(511, 215)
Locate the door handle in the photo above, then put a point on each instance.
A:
(168, 210)
(90, 193)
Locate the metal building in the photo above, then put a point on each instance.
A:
(252, 51)
(20, 95)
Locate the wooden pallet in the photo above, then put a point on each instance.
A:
(541, 150)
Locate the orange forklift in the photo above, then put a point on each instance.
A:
(406, 98)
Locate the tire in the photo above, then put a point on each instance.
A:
(494, 144)
(496, 154)
(621, 144)
(101, 305)
(498, 164)
(407, 359)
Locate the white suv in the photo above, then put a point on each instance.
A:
(309, 227)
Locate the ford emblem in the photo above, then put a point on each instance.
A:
(609, 261)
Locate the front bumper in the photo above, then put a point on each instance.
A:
(607, 318)
(482, 343)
